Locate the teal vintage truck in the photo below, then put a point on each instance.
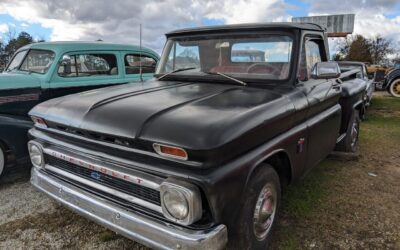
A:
(42, 71)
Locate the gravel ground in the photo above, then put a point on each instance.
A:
(358, 209)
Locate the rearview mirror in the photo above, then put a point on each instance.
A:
(325, 70)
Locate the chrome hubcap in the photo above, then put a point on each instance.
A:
(265, 211)
(354, 134)
(396, 88)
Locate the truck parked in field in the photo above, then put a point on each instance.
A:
(42, 71)
(197, 158)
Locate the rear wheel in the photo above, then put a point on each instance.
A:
(350, 142)
(394, 88)
(259, 212)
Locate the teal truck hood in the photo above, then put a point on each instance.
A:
(18, 80)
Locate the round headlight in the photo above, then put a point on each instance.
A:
(36, 155)
(176, 204)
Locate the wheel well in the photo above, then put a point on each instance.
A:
(281, 164)
(360, 108)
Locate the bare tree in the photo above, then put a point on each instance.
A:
(380, 48)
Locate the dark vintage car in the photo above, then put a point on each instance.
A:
(362, 74)
(197, 158)
(41, 71)
(392, 82)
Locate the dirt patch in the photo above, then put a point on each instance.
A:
(350, 204)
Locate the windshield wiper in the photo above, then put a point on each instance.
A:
(174, 71)
(226, 76)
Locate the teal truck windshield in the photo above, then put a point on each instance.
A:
(261, 56)
(16, 61)
(38, 61)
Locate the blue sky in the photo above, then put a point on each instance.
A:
(63, 20)
(35, 29)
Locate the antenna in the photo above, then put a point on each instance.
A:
(140, 53)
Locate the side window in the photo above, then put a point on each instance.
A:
(183, 56)
(134, 61)
(88, 65)
(311, 54)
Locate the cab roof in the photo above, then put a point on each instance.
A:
(63, 47)
(244, 27)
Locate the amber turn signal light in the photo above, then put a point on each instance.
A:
(39, 122)
(170, 151)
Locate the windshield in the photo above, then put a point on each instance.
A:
(345, 68)
(16, 61)
(265, 56)
(38, 61)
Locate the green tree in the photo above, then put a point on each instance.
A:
(359, 50)
(15, 43)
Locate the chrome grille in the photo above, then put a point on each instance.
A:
(144, 193)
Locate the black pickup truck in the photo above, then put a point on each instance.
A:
(197, 158)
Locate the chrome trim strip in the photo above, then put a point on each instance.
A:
(152, 233)
(103, 188)
(340, 138)
(137, 178)
(124, 148)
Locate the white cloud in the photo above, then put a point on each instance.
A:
(3, 28)
(118, 21)
(371, 16)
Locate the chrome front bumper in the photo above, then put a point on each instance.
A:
(149, 232)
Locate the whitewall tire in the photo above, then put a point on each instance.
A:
(394, 88)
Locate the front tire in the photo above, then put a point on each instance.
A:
(259, 212)
(394, 88)
(350, 142)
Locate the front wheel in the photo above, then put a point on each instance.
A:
(394, 88)
(350, 142)
(259, 212)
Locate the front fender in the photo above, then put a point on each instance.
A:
(14, 134)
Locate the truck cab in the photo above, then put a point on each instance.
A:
(41, 71)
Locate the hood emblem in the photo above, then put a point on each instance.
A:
(95, 175)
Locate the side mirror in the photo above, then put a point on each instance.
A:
(325, 70)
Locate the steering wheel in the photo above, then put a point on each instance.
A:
(273, 70)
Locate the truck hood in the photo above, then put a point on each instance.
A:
(15, 80)
(196, 116)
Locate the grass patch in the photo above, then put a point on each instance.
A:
(386, 103)
(288, 244)
(301, 198)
